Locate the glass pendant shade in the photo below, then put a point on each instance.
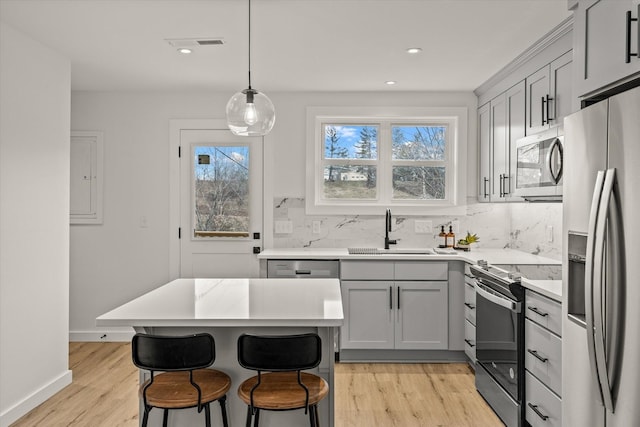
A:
(250, 113)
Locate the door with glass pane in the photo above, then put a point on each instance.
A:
(220, 203)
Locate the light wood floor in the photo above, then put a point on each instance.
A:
(104, 394)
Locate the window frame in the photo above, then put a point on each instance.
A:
(455, 118)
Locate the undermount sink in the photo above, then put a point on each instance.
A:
(379, 251)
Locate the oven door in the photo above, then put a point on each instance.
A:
(498, 337)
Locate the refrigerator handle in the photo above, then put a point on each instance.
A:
(599, 287)
(588, 277)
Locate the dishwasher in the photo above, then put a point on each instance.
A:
(303, 268)
(307, 269)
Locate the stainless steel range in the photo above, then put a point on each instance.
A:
(500, 341)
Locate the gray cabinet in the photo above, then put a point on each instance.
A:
(385, 307)
(504, 116)
(543, 361)
(605, 44)
(549, 92)
(484, 153)
(368, 313)
(469, 316)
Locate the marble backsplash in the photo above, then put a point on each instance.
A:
(530, 227)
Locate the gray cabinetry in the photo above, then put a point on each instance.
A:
(549, 92)
(484, 152)
(605, 44)
(501, 124)
(368, 313)
(387, 307)
(469, 316)
(543, 361)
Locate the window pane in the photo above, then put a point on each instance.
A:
(418, 183)
(221, 191)
(350, 142)
(350, 182)
(419, 142)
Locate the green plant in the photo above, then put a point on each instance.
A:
(469, 239)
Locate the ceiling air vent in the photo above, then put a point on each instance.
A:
(205, 41)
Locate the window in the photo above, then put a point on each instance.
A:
(221, 191)
(359, 164)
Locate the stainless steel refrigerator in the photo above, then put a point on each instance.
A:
(601, 264)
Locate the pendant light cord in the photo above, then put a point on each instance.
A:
(249, 44)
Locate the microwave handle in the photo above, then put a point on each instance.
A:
(555, 176)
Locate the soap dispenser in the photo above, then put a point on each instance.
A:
(443, 238)
(451, 238)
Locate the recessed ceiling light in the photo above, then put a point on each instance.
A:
(185, 50)
(414, 50)
(390, 82)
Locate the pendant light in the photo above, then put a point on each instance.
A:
(249, 112)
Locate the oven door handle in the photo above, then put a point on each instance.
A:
(496, 299)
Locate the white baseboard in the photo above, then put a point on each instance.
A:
(34, 399)
(106, 336)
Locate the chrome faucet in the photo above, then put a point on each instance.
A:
(387, 229)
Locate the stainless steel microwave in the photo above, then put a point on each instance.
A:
(539, 160)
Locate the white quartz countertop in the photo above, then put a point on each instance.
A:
(232, 303)
(493, 256)
(549, 288)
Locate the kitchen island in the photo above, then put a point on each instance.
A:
(227, 308)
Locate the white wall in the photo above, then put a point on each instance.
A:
(34, 223)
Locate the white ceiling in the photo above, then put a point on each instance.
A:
(297, 45)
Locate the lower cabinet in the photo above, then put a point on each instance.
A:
(543, 361)
(410, 315)
(469, 316)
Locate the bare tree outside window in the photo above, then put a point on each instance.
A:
(221, 193)
(425, 146)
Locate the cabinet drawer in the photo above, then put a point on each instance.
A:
(469, 279)
(421, 270)
(544, 311)
(470, 341)
(366, 270)
(543, 356)
(470, 304)
(543, 408)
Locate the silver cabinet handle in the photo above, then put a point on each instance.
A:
(471, 306)
(471, 344)
(535, 354)
(538, 312)
(537, 411)
(484, 189)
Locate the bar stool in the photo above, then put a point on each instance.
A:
(280, 385)
(184, 383)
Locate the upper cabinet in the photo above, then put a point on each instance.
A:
(507, 126)
(484, 152)
(549, 95)
(606, 44)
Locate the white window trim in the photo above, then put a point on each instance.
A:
(455, 117)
